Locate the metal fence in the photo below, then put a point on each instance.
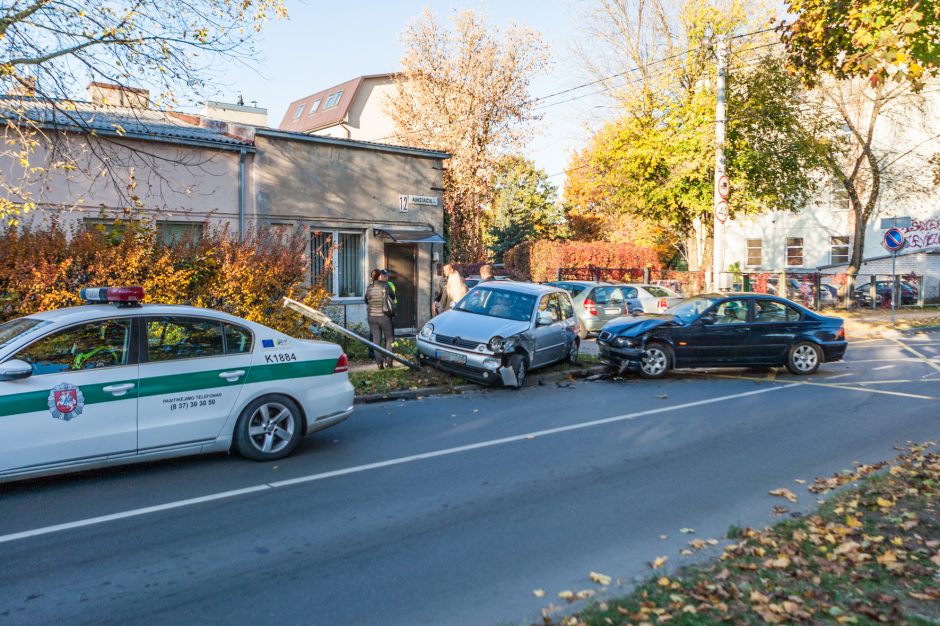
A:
(815, 290)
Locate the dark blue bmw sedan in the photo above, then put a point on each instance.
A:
(723, 330)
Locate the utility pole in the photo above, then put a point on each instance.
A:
(722, 184)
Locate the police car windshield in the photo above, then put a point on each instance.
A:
(14, 329)
(690, 309)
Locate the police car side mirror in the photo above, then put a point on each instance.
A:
(15, 369)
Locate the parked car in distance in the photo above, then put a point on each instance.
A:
(595, 303)
(474, 280)
(500, 331)
(724, 330)
(649, 298)
(883, 288)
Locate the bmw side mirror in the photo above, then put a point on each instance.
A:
(15, 369)
(545, 319)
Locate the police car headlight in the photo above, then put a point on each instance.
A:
(427, 330)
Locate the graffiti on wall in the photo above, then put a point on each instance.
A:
(923, 233)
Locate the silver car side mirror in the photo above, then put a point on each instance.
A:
(15, 369)
(545, 319)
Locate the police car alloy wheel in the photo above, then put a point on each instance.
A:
(269, 428)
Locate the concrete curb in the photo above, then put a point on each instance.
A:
(425, 392)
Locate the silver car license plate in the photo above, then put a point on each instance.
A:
(611, 311)
(452, 357)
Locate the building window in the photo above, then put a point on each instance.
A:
(794, 251)
(314, 107)
(171, 233)
(840, 197)
(332, 100)
(754, 250)
(337, 260)
(838, 250)
(299, 111)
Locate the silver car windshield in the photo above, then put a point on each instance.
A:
(14, 329)
(690, 309)
(500, 303)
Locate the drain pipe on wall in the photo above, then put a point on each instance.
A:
(241, 194)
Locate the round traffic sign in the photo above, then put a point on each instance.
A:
(722, 210)
(724, 186)
(893, 239)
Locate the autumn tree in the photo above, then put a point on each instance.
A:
(875, 40)
(656, 158)
(525, 206)
(49, 49)
(465, 90)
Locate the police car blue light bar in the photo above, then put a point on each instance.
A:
(119, 295)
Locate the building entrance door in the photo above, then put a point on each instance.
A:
(401, 260)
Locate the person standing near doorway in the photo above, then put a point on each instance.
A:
(441, 287)
(454, 291)
(380, 310)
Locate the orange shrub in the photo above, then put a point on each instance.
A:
(44, 268)
(540, 260)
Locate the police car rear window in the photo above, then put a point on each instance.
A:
(20, 327)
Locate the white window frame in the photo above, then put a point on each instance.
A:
(840, 197)
(747, 252)
(334, 233)
(299, 110)
(315, 106)
(832, 246)
(786, 252)
(333, 100)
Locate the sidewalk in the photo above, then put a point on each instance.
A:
(874, 323)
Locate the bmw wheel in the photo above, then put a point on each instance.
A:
(269, 428)
(804, 358)
(657, 359)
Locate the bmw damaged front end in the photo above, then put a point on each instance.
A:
(622, 342)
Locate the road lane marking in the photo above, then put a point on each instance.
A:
(920, 356)
(843, 375)
(883, 367)
(847, 385)
(223, 495)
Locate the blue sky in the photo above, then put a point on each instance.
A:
(325, 43)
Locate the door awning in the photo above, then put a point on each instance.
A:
(409, 236)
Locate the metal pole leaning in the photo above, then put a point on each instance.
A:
(324, 320)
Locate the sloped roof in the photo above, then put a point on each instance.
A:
(311, 119)
(148, 124)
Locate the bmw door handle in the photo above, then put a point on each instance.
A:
(740, 330)
(118, 390)
(232, 376)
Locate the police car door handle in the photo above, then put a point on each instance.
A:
(233, 375)
(118, 390)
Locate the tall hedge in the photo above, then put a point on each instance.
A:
(540, 260)
(43, 268)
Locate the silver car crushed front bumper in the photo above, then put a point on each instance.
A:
(481, 367)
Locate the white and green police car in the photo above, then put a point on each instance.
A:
(118, 382)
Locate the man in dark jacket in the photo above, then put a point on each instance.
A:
(378, 309)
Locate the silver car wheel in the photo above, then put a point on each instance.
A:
(655, 361)
(271, 427)
(805, 358)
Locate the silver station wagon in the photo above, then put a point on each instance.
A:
(500, 331)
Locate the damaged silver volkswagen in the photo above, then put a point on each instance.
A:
(500, 331)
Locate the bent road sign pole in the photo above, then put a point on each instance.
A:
(324, 320)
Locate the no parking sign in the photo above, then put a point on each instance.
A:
(893, 239)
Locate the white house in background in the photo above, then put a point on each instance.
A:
(820, 236)
(351, 110)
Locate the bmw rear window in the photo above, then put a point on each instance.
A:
(20, 327)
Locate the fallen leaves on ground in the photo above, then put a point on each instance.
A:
(869, 555)
(783, 492)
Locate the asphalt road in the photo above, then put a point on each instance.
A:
(453, 510)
